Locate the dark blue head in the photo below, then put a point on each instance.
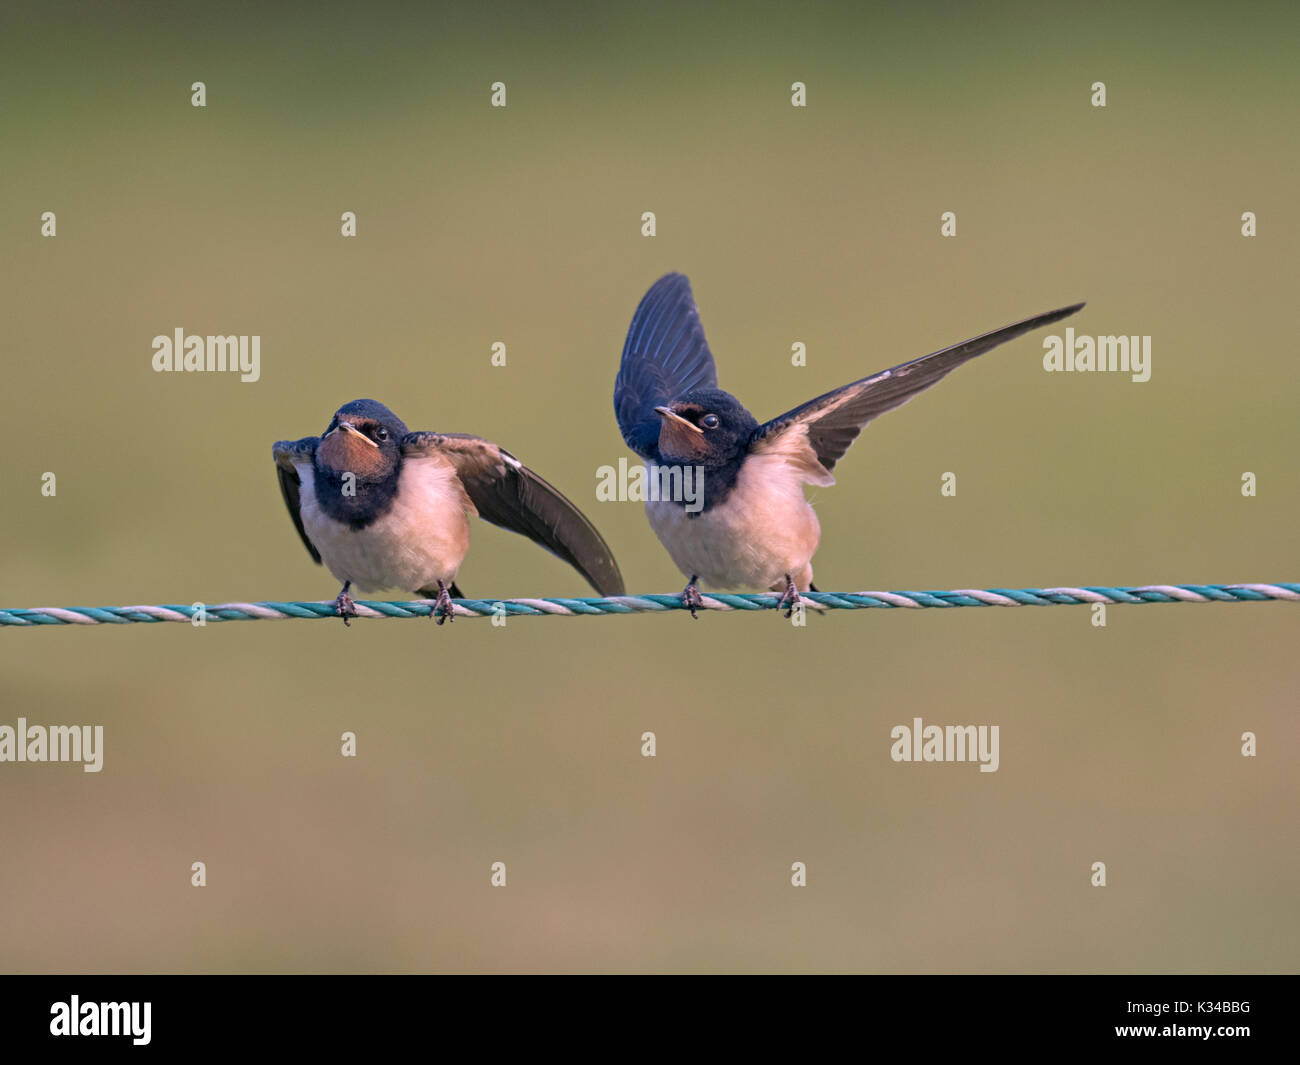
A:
(370, 412)
(359, 461)
(706, 427)
(364, 438)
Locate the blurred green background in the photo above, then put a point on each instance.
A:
(521, 743)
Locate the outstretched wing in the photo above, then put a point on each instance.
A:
(830, 423)
(665, 356)
(507, 493)
(286, 452)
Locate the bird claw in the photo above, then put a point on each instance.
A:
(691, 598)
(789, 598)
(442, 608)
(345, 608)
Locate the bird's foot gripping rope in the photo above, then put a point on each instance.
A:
(636, 604)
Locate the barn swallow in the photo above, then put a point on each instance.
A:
(384, 507)
(754, 529)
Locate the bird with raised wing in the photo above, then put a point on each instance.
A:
(748, 525)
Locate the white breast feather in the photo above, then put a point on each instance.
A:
(765, 529)
(422, 539)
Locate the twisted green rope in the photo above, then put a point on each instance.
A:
(633, 604)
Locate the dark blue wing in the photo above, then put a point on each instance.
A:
(833, 421)
(284, 452)
(665, 356)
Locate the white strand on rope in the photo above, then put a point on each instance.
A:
(1181, 594)
(979, 594)
(1269, 589)
(159, 612)
(1078, 593)
(543, 606)
(892, 599)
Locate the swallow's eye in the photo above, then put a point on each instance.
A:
(381, 433)
(710, 421)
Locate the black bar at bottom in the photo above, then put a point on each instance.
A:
(1230, 1014)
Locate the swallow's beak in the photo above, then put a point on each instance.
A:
(348, 427)
(664, 412)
